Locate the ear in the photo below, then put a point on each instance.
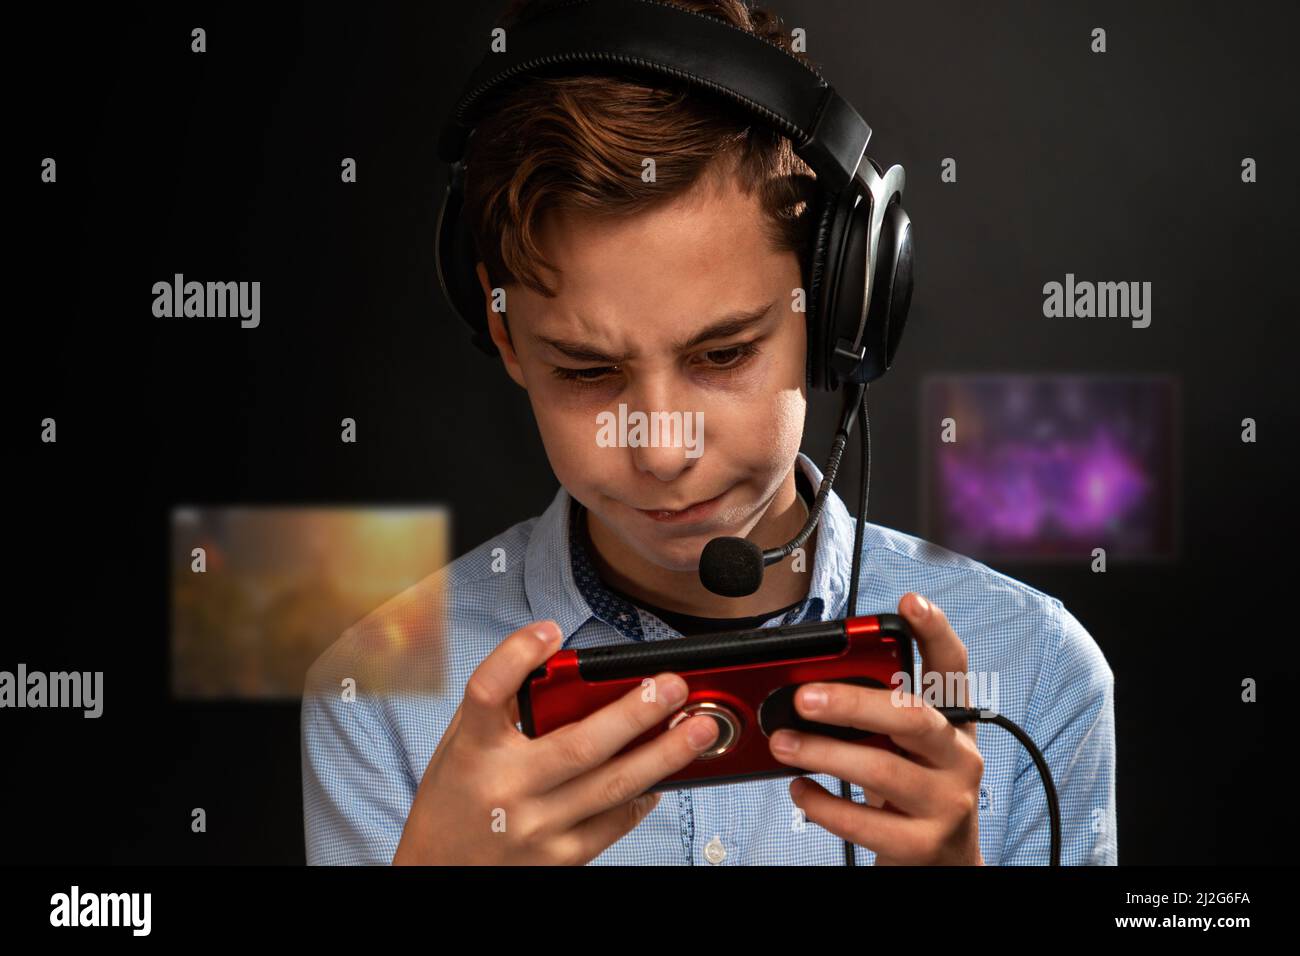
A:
(497, 329)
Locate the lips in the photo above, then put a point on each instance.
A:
(675, 510)
(695, 512)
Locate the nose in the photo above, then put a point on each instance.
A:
(671, 437)
(666, 464)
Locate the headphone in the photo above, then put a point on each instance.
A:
(861, 260)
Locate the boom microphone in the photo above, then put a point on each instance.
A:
(733, 567)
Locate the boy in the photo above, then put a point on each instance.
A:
(675, 295)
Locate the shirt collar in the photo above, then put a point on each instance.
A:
(562, 585)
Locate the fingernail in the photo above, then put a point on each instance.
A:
(813, 699)
(674, 691)
(546, 635)
(922, 606)
(785, 742)
(701, 733)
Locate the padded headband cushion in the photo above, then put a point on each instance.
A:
(668, 43)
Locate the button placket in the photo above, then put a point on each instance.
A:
(721, 840)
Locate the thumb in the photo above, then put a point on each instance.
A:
(490, 705)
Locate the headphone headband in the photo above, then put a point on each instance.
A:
(666, 42)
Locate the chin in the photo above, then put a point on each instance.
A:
(683, 554)
(678, 552)
(668, 546)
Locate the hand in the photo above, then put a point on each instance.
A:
(492, 795)
(923, 805)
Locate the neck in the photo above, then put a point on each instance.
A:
(682, 591)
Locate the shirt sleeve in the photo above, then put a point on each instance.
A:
(1071, 718)
(356, 791)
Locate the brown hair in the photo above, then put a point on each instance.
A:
(577, 143)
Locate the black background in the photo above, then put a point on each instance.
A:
(1123, 166)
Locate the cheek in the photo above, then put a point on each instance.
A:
(774, 407)
(790, 395)
(778, 418)
(789, 409)
(569, 437)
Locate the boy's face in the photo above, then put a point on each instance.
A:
(634, 289)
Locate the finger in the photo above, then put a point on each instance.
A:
(490, 705)
(905, 718)
(575, 748)
(941, 649)
(880, 773)
(633, 773)
(589, 839)
(885, 832)
(943, 652)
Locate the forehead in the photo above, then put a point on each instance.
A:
(655, 274)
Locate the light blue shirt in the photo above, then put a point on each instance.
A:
(363, 755)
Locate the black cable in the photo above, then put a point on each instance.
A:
(955, 715)
(865, 486)
(852, 609)
(964, 715)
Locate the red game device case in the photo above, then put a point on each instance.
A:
(744, 679)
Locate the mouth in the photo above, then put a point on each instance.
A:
(696, 512)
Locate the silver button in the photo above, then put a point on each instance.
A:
(726, 719)
(714, 851)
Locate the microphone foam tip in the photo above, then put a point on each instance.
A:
(732, 567)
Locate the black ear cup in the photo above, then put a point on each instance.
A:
(828, 228)
(848, 287)
(848, 272)
(456, 258)
(839, 267)
(900, 299)
(891, 295)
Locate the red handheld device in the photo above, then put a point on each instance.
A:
(745, 680)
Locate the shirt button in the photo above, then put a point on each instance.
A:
(714, 851)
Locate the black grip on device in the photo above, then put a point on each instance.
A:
(700, 651)
(749, 646)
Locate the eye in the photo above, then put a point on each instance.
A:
(739, 354)
(583, 377)
(725, 360)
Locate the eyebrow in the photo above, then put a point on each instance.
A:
(730, 324)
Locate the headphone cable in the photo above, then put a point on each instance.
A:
(864, 484)
(955, 715)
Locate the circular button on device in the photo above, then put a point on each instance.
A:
(726, 719)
